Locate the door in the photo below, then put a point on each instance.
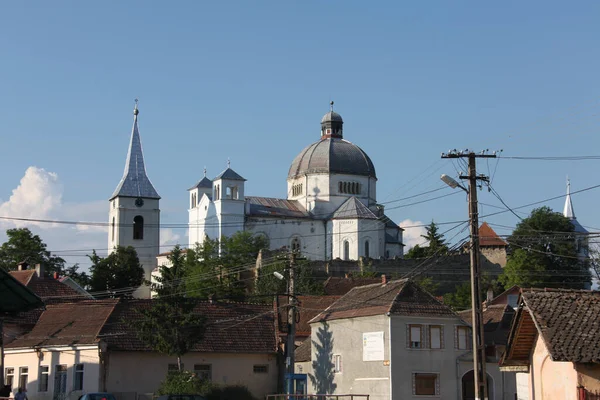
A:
(60, 383)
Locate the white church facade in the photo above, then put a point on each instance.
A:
(330, 210)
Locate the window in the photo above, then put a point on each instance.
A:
(217, 188)
(367, 249)
(203, 371)
(426, 384)
(462, 337)
(9, 376)
(23, 377)
(194, 200)
(346, 250)
(435, 337)
(174, 367)
(512, 300)
(113, 229)
(337, 364)
(60, 379)
(297, 189)
(78, 378)
(295, 244)
(349, 187)
(261, 369)
(138, 228)
(415, 337)
(43, 379)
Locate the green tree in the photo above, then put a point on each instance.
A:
(121, 269)
(82, 278)
(437, 245)
(268, 285)
(461, 298)
(221, 268)
(171, 325)
(543, 253)
(23, 245)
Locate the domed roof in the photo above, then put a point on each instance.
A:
(332, 155)
(331, 116)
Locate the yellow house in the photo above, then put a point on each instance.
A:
(554, 344)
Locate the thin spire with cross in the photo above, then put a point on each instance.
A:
(135, 108)
(331, 105)
(228, 163)
(205, 172)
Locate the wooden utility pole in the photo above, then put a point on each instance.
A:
(479, 361)
(291, 336)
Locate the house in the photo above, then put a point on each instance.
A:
(410, 344)
(91, 346)
(497, 320)
(554, 344)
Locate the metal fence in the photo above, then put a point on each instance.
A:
(317, 397)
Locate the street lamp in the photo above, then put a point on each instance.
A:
(479, 373)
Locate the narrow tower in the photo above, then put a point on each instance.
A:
(134, 215)
(582, 234)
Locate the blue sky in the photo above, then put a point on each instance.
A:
(250, 81)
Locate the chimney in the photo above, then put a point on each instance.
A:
(490, 295)
(22, 266)
(39, 270)
(211, 298)
(56, 275)
(383, 279)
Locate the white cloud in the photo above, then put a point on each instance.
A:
(412, 236)
(168, 237)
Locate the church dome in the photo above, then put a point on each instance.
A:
(332, 154)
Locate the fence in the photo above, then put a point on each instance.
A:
(584, 394)
(318, 397)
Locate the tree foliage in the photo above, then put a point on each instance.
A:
(171, 325)
(23, 246)
(223, 265)
(543, 253)
(436, 244)
(81, 278)
(461, 298)
(120, 269)
(268, 285)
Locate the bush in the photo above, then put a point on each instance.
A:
(232, 392)
(186, 382)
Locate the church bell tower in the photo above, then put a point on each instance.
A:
(134, 214)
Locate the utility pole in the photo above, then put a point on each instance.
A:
(479, 373)
(291, 336)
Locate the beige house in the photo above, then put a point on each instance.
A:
(554, 345)
(90, 346)
(391, 340)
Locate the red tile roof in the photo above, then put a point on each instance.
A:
(303, 352)
(46, 288)
(401, 297)
(308, 308)
(496, 322)
(336, 286)
(23, 276)
(487, 237)
(231, 327)
(567, 321)
(68, 324)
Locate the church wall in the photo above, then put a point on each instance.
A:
(281, 232)
(372, 231)
(203, 222)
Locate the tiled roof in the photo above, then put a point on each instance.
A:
(400, 297)
(135, 181)
(308, 307)
(229, 174)
(303, 352)
(271, 207)
(487, 236)
(23, 276)
(568, 321)
(353, 208)
(68, 324)
(231, 327)
(496, 320)
(336, 286)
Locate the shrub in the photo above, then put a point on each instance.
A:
(181, 382)
(232, 392)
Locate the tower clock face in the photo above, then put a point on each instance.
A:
(139, 202)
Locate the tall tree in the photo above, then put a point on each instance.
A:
(223, 265)
(23, 245)
(268, 285)
(120, 269)
(436, 244)
(543, 253)
(170, 325)
(82, 278)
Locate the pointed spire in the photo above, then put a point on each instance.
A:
(331, 105)
(135, 182)
(228, 163)
(568, 211)
(205, 172)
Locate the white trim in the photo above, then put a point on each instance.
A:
(54, 348)
(371, 379)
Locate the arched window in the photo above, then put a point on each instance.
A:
(296, 245)
(113, 229)
(346, 250)
(367, 249)
(138, 227)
